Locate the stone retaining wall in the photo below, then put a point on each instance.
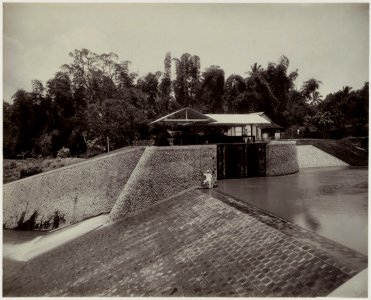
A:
(281, 158)
(311, 157)
(161, 173)
(71, 193)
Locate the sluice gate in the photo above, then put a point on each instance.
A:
(241, 160)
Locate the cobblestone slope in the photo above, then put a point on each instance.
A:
(192, 245)
(162, 172)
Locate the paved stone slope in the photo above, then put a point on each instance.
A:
(76, 192)
(162, 172)
(192, 245)
(310, 157)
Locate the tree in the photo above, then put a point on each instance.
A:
(37, 90)
(323, 121)
(96, 96)
(187, 82)
(269, 89)
(59, 90)
(9, 131)
(279, 83)
(255, 69)
(165, 85)
(149, 85)
(310, 91)
(316, 98)
(94, 74)
(346, 90)
(298, 109)
(22, 117)
(120, 122)
(212, 89)
(234, 87)
(123, 78)
(349, 110)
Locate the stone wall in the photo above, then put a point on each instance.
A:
(161, 173)
(311, 157)
(281, 158)
(70, 194)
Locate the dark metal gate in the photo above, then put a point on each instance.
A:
(241, 160)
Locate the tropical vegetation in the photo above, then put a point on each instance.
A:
(96, 100)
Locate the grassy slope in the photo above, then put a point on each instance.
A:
(344, 149)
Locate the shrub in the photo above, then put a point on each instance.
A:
(63, 153)
(30, 170)
(94, 148)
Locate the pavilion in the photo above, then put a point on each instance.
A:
(255, 126)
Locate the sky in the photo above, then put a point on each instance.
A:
(328, 42)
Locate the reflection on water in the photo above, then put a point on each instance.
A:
(16, 236)
(329, 201)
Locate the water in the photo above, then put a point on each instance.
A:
(25, 245)
(15, 236)
(332, 202)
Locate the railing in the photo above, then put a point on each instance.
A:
(249, 138)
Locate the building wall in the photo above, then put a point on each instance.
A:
(281, 158)
(163, 172)
(245, 130)
(260, 133)
(76, 192)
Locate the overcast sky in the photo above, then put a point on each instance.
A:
(328, 42)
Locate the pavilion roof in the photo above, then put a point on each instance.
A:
(189, 116)
(184, 116)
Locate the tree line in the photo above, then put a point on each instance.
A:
(97, 97)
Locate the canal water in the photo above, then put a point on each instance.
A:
(332, 202)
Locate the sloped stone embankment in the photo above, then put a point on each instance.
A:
(163, 172)
(70, 194)
(194, 245)
(311, 157)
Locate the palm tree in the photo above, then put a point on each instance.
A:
(316, 98)
(346, 90)
(309, 90)
(255, 69)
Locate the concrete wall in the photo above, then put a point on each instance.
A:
(161, 173)
(77, 192)
(311, 157)
(281, 158)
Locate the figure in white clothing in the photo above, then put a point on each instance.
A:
(208, 179)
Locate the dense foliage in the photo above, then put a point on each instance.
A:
(95, 100)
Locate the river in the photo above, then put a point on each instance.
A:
(332, 202)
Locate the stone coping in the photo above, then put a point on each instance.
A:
(208, 146)
(279, 142)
